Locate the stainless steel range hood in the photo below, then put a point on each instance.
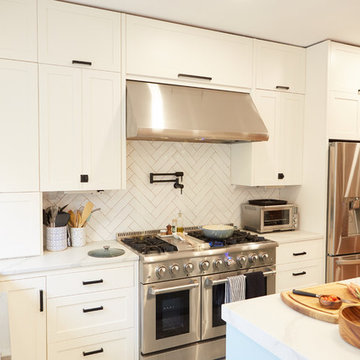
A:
(183, 113)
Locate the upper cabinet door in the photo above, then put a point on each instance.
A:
(290, 139)
(20, 225)
(102, 130)
(75, 35)
(279, 67)
(344, 74)
(60, 128)
(265, 161)
(19, 147)
(159, 49)
(18, 30)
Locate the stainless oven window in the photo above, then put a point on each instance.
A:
(172, 314)
(218, 298)
(276, 217)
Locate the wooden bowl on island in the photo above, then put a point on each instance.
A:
(349, 324)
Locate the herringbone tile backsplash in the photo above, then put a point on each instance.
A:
(208, 197)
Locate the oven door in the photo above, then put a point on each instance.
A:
(170, 314)
(275, 218)
(213, 295)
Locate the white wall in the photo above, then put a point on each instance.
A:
(208, 196)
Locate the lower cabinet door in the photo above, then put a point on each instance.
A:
(26, 318)
(108, 346)
(78, 316)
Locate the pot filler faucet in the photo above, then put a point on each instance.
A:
(176, 181)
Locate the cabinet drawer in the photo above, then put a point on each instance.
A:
(306, 274)
(299, 251)
(90, 281)
(109, 346)
(83, 315)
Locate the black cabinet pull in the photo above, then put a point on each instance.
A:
(195, 77)
(84, 178)
(93, 282)
(282, 87)
(300, 273)
(93, 309)
(281, 176)
(300, 253)
(93, 352)
(41, 293)
(79, 62)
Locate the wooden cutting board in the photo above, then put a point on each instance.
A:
(311, 307)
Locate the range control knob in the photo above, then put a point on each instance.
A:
(174, 269)
(218, 263)
(229, 261)
(204, 265)
(160, 271)
(253, 258)
(241, 260)
(188, 268)
(264, 257)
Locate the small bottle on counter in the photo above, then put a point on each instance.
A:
(173, 226)
(180, 223)
(168, 229)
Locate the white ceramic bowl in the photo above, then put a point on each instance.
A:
(217, 231)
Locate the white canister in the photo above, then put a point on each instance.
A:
(78, 236)
(56, 238)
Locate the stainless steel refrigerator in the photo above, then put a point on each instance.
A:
(343, 223)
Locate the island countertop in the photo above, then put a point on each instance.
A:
(284, 332)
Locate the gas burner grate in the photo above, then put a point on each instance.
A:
(149, 244)
(238, 237)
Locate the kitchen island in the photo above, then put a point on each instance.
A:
(265, 328)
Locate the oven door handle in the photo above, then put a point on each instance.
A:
(348, 262)
(153, 291)
(210, 283)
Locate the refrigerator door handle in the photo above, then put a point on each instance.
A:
(348, 262)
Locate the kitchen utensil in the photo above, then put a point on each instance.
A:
(62, 218)
(78, 218)
(52, 212)
(72, 221)
(86, 213)
(349, 324)
(217, 231)
(330, 304)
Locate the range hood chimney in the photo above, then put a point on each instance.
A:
(183, 113)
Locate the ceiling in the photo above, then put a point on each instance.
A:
(301, 22)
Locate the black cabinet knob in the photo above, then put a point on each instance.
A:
(84, 178)
(281, 176)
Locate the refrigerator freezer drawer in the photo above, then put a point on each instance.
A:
(342, 267)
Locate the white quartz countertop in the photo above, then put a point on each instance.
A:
(69, 258)
(285, 332)
(283, 237)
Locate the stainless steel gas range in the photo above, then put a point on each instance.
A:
(182, 288)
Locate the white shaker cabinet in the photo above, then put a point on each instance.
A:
(80, 36)
(20, 231)
(26, 301)
(19, 148)
(279, 67)
(162, 50)
(80, 129)
(277, 161)
(344, 92)
(18, 34)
